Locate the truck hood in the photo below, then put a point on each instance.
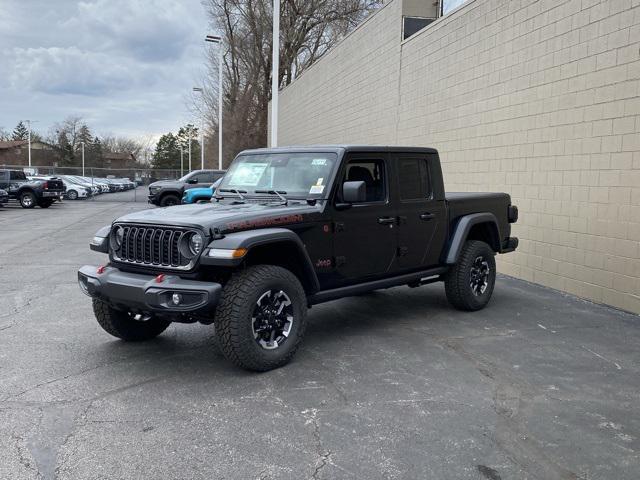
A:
(225, 217)
(166, 183)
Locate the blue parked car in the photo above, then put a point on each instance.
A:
(195, 195)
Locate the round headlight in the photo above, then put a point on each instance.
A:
(195, 243)
(117, 235)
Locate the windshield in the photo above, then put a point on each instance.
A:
(186, 177)
(304, 175)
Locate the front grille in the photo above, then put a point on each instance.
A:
(153, 246)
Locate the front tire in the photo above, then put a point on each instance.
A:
(122, 324)
(27, 200)
(72, 195)
(261, 317)
(169, 200)
(469, 284)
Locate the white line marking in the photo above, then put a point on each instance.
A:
(603, 358)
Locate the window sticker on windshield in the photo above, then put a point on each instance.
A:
(320, 181)
(316, 189)
(319, 162)
(248, 174)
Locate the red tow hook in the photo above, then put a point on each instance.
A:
(160, 278)
(101, 269)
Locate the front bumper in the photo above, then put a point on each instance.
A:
(152, 198)
(148, 293)
(4, 199)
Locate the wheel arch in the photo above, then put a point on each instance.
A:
(476, 226)
(271, 246)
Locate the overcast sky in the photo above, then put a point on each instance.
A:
(125, 66)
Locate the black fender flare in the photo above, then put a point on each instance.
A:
(254, 238)
(461, 232)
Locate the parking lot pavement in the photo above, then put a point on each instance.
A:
(394, 384)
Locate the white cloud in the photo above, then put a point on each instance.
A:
(124, 65)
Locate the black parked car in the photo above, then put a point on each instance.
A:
(291, 228)
(166, 193)
(31, 192)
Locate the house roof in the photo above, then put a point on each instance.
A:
(12, 144)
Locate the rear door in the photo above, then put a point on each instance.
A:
(421, 218)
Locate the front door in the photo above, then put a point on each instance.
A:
(365, 233)
(421, 218)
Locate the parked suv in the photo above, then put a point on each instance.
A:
(31, 192)
(292, 228)
(166, 193)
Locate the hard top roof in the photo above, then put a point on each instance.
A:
(341, 149)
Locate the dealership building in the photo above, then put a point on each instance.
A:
(537, 98)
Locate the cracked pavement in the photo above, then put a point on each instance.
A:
(391, 385)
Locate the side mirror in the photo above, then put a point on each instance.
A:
(354, 192)
(192, 181)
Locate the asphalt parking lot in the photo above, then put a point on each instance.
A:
(392, 385)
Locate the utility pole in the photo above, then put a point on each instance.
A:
(275, 73)
(201, 92)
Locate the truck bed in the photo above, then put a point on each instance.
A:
(464, 203)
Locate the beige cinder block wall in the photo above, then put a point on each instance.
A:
(538, 98)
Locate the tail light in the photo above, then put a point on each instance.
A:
(46, 185)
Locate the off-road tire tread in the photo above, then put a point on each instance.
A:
(456, 285)
(116, 323)
(236, 293)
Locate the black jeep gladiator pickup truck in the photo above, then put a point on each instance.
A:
(166, 193)
(31, 192)
(289, 228)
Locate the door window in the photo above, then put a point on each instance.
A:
(372, 173)
(17, 175)
(413, 178)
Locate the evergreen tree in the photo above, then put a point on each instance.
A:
(96, 153)
(21, 132)
(68, 155)
(167, 153)
(186, 132)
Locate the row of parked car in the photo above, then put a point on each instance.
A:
(77, 187)
(43, 191)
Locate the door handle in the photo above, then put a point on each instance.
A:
(386, 221)
(427, 216)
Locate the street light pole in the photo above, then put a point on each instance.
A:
(82, 143)
(189, 150)
(218, 40)
(181, 160)
(201, 92)
(275, 73)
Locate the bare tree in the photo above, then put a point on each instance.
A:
(309, 28)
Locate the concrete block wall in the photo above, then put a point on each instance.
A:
(538, 98)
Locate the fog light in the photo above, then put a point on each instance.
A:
(176, 299)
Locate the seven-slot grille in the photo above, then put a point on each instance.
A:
(154, 246)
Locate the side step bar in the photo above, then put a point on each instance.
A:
(415, 278)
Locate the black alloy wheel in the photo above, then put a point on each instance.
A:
(272, 319)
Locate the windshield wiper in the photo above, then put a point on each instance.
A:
(278, 193)
(233, 190)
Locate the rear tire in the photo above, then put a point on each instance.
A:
(28, 200)
(45, 203)
(169, 200)
(469, 284)
(261, 317)
(122, 325)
